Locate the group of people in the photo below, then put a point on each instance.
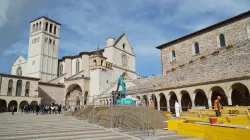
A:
(39, 108)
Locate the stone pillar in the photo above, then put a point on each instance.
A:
(210, 105)
(229, 100)
(193, 102)
(159, 106)
(168, 105)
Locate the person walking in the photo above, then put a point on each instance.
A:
(177, 109)
(13, 110)
(217, 106)
(37, 108)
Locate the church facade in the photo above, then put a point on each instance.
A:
(72, 80)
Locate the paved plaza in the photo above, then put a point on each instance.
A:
(59, 127)
(52, 127)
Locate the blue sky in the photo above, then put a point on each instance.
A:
(87, 23)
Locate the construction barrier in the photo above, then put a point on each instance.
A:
(212, 132)
(172, 124)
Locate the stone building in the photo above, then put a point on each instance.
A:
(196, 68)
(17, 91)
(71, 80)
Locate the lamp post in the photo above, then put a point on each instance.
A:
(153, 100)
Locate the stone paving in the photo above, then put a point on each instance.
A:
(59, 127)
(53, 127)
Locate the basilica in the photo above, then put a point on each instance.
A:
(72, 80)
(196, 68)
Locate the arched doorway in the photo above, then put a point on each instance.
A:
(240, 95)
(163, 102)
(86, 97)
(172, 100)
(145, 100)
(33, 103)
(22, 104)
(218, 91)
(74, 94)
(11, 104)
(3, 105)
(154, 99)
(200, 98)
(186, 101)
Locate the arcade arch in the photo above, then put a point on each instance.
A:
(33, 103)
(22, 104)
(218, 91)
(74, 95)
(172, 100)
(240, 95)
(145, 100)
(186, 101)
(154, 99)
(163, 102)
(11, 104)
(3, 105)
(200, 98)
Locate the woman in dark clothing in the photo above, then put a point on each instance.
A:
(37, 109)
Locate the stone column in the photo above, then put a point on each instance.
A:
(193, 102)
(168, 105)
(210, 103)
(159, 106)
(229, 100)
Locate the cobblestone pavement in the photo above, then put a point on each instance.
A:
(53, 127)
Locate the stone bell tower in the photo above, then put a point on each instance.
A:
(100, 72)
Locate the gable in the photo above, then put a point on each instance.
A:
(123, 44)
(20, 60)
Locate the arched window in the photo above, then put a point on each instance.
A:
(40, 24)
(123, 46)
(77, 66)
(33, 28)
(10, 85)
(36, 26)
(101, 62)
(19, 71)
(27, 89)
(46, 26)
(55, 30)
(85, 97)
(222, 40)
(196, 48)
(19, 88)
(50, 28)
(94, 62)
(173, 55)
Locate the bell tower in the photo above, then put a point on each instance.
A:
(100, 72)
(43, 49)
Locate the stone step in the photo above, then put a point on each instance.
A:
(83, 137)
(31, 132)
(60, 135)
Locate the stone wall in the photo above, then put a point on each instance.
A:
(234, 32)
(5, 80)
(51, 93)
(228, 63)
